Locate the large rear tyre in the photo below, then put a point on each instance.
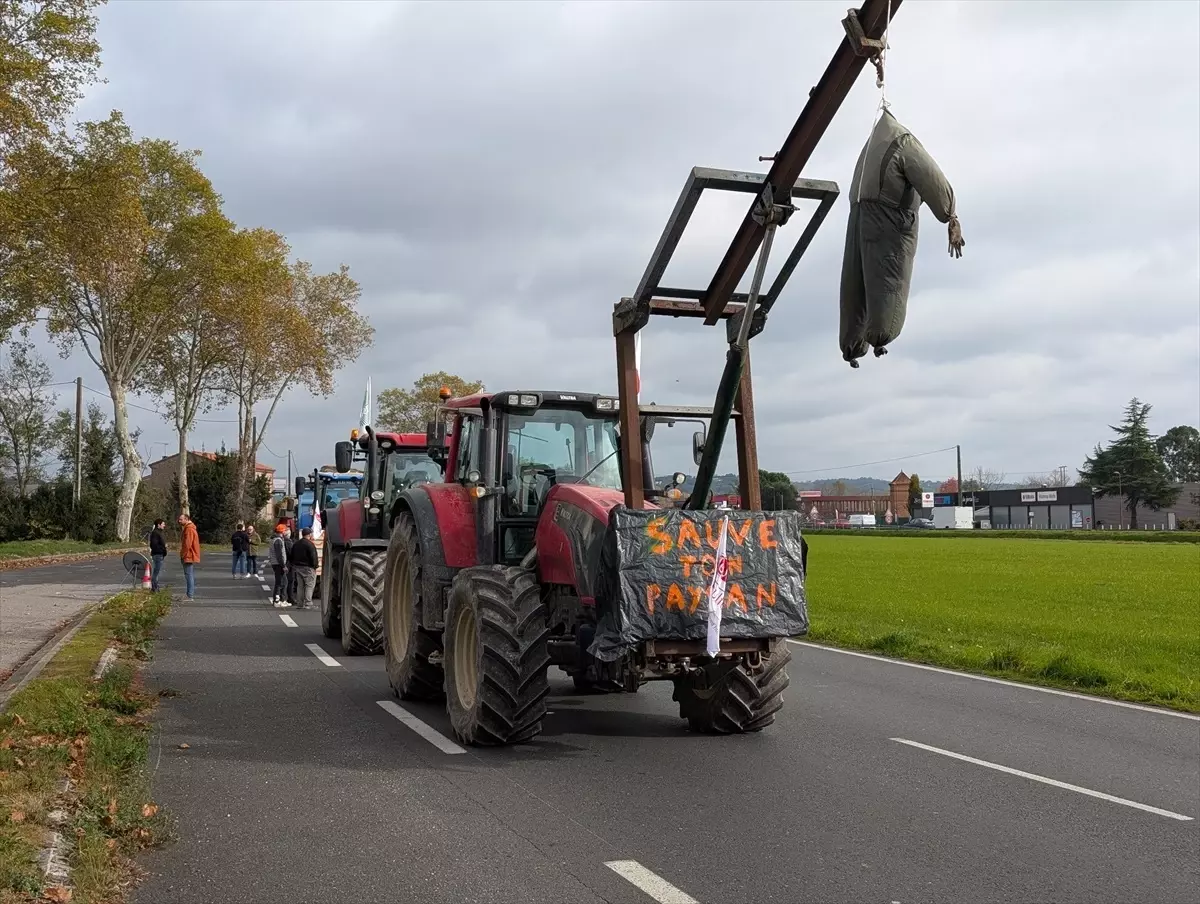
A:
(362, 602)
(331, 622)
(412, 655)
(732, 699)
(496, 656)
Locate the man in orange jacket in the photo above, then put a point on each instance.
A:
(189, 553)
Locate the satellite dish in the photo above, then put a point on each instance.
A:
(134, 563)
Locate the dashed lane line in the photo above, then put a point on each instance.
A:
(652, 884)
(1046, 781)
(287, 620)
(322, 655)
(434, 737)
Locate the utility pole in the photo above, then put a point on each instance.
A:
(77, 489)
(958, 455)
(289, 482)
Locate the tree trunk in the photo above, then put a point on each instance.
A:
(130, 460)
(245, 466)
(182, 476)
(1132, 507)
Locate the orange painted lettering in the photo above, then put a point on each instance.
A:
(707, 564)
(735, 564)
(662, 540)
(736, 596)
(675, 598)
(688, 562)
(653, 592)
(712, 533)
(766, 534)
(688, 534)
(739, 538)
(697, 595)
(765, 595)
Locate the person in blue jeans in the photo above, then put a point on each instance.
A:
(240, 545)
(158, 551)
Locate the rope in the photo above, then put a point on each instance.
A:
(878, 61)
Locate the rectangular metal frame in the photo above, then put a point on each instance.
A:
(698, 181)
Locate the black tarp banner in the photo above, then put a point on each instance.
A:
(656, 566)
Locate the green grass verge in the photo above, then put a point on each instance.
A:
(32, 549)
(64, 724)
(1115, 619)
(1101, 536)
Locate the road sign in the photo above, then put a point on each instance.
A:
(927, 500)
(887, 516)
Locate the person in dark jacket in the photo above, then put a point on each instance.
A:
(158, 551)
(304, 564)
(288, 543)
(277, 556)
(240, 545)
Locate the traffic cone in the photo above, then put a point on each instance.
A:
(146, 577)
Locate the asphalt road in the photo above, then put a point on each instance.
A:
(298, 786)
(34, 602)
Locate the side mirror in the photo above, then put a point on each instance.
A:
(299, 487)
(698, 439)
(648, 424)
(435, 440)
(343, 456)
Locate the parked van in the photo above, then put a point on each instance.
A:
(862, 520)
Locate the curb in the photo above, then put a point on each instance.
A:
(32, 667)
(64, 558)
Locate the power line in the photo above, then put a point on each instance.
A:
(867, 464)
(199, 420)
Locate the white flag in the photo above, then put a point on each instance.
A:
(716, 592)
(317, 532)
(637, 359)
(364, 419)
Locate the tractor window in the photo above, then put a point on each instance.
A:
(468, 447)
(408, 469)
(555, 445)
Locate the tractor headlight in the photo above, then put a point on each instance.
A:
(606, 404)
(377, 495)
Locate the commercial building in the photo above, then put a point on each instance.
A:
(1044, 508)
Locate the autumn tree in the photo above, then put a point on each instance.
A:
(198, 342)
(410, 410)
(1131, 466)
(26, 408)
(1180, 450)
(103, 253)
(296, 328)
(948, 486)
(48, 55)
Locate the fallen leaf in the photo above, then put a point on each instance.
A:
(143, 836)
(58, 894)
(111, 844)
(20, 762)
(17, 720)
(149, 810)
(17, 816)
(112, 807)
(185, 746)
(6, 743)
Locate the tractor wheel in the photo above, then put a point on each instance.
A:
(732, 699)
(408, 648)
(496, 655)
(362, 602)
(331, 625)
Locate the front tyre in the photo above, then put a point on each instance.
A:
(734, 699)
(331, 623)
(362, 602)
(496, 656)
(412, 655)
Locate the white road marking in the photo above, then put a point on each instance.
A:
(322, 655)
(287, 620)
(1046, 781)
(1157, 710)
(655, 886)
(438, 740)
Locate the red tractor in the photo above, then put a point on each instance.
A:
(525, 556)
(356, 532)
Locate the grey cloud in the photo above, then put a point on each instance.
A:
(496, 175)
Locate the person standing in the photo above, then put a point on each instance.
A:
(158, 551)
(289, 593)
(238, 545)
(189, 553)
(277, 557)
(252, 550)
(304, 563)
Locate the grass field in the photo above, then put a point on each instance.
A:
(1117, 619)
(29, 549)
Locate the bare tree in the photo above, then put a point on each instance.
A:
(984, 479)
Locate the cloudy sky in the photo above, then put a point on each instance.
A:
(497, 174)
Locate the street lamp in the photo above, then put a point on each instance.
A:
(1121, 497)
